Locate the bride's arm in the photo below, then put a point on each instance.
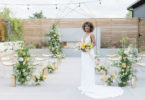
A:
(93, 40)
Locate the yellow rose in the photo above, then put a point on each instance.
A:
(124, 65)
(124, 58)
(83, 45)
(33, 74)
(103, 79)
(128, 66)
(27, 58)
(34, 79)
(22, 79)
(44, 77)
(24, 54)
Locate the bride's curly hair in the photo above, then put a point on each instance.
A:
(90, 24)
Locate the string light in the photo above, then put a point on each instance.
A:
(79, 4)
(100, 2)
(70, 3)
(56, 6)
(28, 6)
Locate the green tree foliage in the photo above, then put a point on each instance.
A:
(15, 25)
(54, 42)
(38, 15)
(129, 14)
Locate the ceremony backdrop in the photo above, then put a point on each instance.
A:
(112, 29)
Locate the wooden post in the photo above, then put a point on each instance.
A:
(13, 80)
(133, 81)
(44, 73)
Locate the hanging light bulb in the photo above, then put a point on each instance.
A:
(100, 2)
(79, 4)
(28, 6)
(56, 6)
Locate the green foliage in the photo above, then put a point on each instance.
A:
(23, 69)
(5, 13)
(39, 79)
(51, 68)
(15, 25)
(110, 79)
(54, 42)
(125, 65)
(129, 14)
(126, 59)
(38, 15)
(16, 29)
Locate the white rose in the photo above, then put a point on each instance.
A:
(23, 70)
(25, 73)
(28, 78)
(21, 59)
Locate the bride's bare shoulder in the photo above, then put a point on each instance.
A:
(92, 34)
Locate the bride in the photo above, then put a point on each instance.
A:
(88, 86)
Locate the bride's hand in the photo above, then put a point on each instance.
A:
(83, 50)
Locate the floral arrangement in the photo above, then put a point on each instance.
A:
(125, 65)
(101, 68)
(24, 69)
(109, 79)
(85, 46)
(54, 42)
(127, 58)
(40, 78)
(51, 68)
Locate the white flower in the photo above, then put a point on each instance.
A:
(21, 59)
(25, 73)
(23, 70)
(28, 78)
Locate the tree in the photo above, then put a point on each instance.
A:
(129, 14)
(5, 13)
(15, 25)
(38, 15)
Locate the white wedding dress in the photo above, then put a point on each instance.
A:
(88, 86)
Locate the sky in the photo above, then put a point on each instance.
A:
(69, 8)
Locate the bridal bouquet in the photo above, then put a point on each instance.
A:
(85, 46)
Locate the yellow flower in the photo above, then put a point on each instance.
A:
(22, 79)
(33, 74)
(128, 66)
(83, 45)
(103, 79)
(39, 77)
(28, 63)
(124, 58)
(21, 48)
(34, 79)
(44, 77)
(91, 47)
(24, 54)
(124, 65)
(27, 58)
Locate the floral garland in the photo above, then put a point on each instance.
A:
(55, 43)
